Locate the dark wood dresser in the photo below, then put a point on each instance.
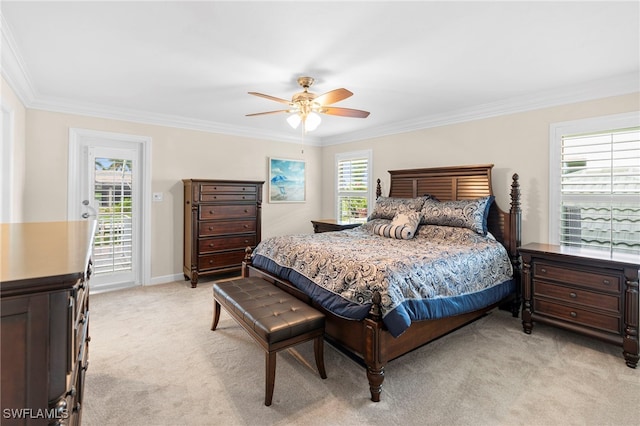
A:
(44, 286)
(221, 219)
(588, 291)
(330, 225)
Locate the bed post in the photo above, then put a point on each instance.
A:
(373, 358)
(378, 189)
(246, 262)
(515, 231)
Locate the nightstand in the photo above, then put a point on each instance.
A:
(328, 225)
(591, 292)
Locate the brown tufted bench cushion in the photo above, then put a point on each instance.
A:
(273, 317)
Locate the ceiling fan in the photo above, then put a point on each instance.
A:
(305, 105)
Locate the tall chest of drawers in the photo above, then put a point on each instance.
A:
(586, 291)
(45, 321)
(221, 219)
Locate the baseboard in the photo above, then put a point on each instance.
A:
(166, 279)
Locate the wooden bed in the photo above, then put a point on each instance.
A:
(368, 339)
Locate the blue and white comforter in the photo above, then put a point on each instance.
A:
(442, 271)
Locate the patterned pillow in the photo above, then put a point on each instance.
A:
(403, 226)
(387, 207)
(470, 214)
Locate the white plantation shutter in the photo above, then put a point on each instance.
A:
(600, 190)
(113, 241)
(353, 186)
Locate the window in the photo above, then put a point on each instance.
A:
(353, 192)
(595, 183)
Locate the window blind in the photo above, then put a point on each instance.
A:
(353, 189)
(600, 190)
(113, 193)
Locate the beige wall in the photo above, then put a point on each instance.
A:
(176, 154)
(517, 143)
(514, 143)
(11, 103)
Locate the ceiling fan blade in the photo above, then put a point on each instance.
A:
(268, 112)
(333, 96)
(345, 112)
(273, 98)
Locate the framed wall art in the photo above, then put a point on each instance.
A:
(286, 181)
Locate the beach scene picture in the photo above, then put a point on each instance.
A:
(286, 180)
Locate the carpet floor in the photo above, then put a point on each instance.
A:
(153, 360)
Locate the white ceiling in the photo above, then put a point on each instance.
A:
(411, 64)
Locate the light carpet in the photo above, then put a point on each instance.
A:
(153, 360)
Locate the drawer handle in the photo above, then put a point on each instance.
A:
(210, 211)
(543, 270)
(606, 282)
(246, 226)
(210, 262)
(573, 295)
(246, 211)
(243, 188)
(573, 314)
(246, 241)
(210, 244)
(211, 228)
(215, 197)
(243, 197)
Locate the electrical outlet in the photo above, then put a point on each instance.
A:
(157, 196)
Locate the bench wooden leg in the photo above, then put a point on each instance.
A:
(318, 349)
(216, 314)
(270, 378)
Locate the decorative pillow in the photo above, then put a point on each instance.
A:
(470, 214)
(403, 226)
(387, 207)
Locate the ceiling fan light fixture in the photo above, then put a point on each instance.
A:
(304, 106)
(294, 120)
(312, 122)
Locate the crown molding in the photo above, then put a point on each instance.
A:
(12, 66)
(613, 86)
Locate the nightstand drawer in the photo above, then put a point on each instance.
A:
(566, 274)
(577, 297)
(577, 316)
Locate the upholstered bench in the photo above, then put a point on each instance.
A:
(273, 317)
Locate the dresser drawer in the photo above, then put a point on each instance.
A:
(208, 229)
(216, 244)
(228, 197)
(595, 280)
(578, 316)
(576, 296)
(221, 260)
(213, 188)
(228, 212)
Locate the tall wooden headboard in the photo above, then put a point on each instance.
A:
(460, 183)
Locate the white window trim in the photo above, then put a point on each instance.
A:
(368, 154)
(556, 132)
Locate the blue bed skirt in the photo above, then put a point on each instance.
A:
(400, 318)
